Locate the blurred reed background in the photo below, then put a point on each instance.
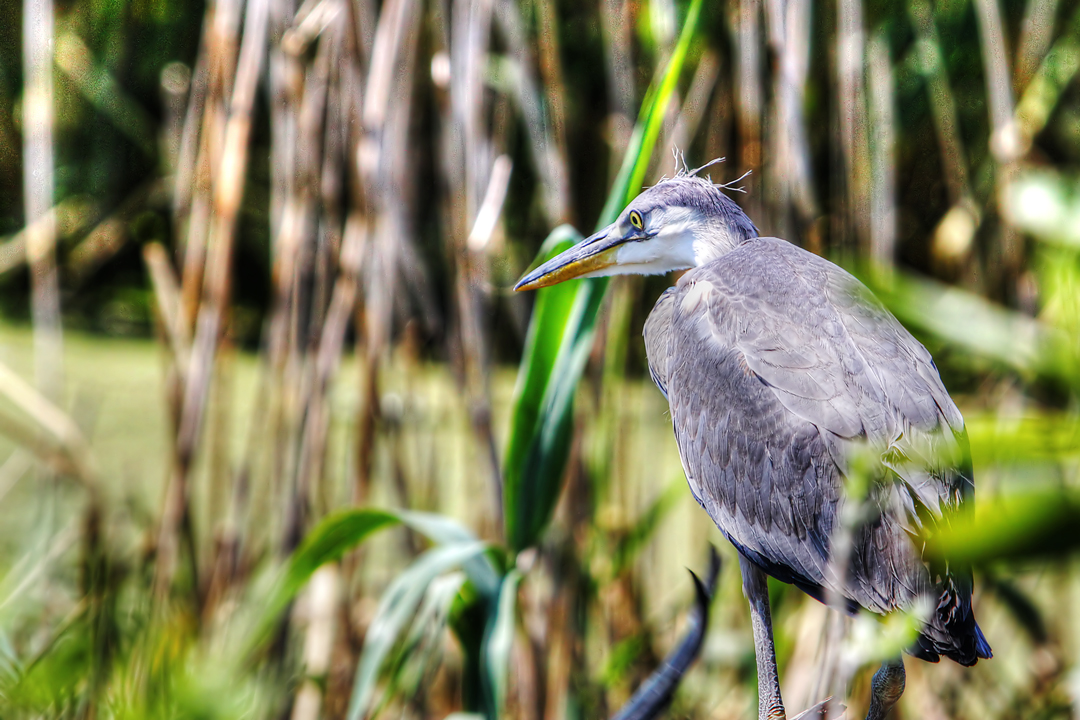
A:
(255, 262)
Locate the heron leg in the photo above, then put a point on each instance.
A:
(886, 688)
(756, 589)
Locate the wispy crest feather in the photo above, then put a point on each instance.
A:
(682, 170)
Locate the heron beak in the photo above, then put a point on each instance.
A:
(591, 255)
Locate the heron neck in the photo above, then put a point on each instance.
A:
(715, 241)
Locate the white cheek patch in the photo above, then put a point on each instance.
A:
(671, 248)
(676, 242)
(642, 252)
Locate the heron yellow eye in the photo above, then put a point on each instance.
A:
(636, 221)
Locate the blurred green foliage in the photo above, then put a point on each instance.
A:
(85, 628)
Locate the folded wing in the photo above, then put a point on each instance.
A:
(782, 370)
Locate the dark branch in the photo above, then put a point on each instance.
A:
(655, 694)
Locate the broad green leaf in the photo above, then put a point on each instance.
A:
(444, 530)
(468, 619)
(435, 609)
(440, 529)
(328, 541)
(1032, 347)
(499, 641)
(965, 319)
(1035, 437)
(528, 466)
(560, 337)
(1013, 526)
(417, 656)
(396, 609)
(340, 532)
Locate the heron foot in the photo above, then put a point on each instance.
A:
(886, 688)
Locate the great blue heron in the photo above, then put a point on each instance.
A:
(779, 368)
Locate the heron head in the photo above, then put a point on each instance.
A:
(676, 224)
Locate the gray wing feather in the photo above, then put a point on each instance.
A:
(777, 365)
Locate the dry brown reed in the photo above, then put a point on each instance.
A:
(393, 122)
(38, 184)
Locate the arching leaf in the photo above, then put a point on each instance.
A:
(340, 532)
(396, 609)
(499, 641)
(561, 334)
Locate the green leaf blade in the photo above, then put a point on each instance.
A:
(499, 641)
(341, 532)
(542, 425)
(396, 608)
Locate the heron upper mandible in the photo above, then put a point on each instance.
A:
(780, 367)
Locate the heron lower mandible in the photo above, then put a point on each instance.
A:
(779, 368)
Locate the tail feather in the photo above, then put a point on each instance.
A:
(982, 648)
(952, 630)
